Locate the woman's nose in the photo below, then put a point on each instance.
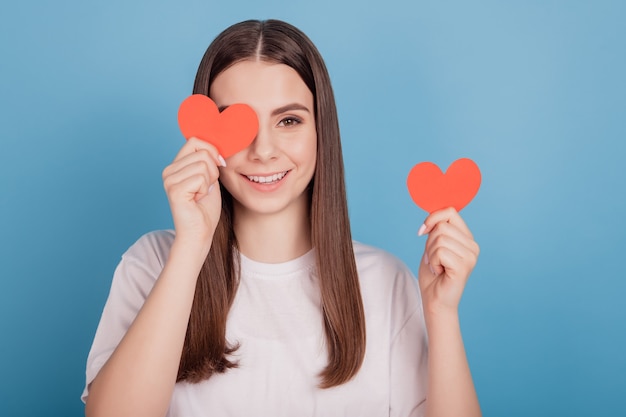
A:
(263, 147)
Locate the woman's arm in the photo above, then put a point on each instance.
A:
(139, 377)
(450, 387)
(449, 257)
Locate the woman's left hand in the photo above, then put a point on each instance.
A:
(449, 257)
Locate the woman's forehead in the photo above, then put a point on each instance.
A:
(260, 84)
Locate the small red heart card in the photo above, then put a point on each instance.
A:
(433, 190)
(230, 131)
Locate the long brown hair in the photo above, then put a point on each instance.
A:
(206, 350)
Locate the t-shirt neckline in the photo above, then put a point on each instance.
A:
(305, 261)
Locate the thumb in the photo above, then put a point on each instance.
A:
(426, 267)
(425, 273)
(212, 193)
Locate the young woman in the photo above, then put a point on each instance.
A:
(259, 303)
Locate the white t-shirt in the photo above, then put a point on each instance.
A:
(276, 318)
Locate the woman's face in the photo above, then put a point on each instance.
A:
(272, 174)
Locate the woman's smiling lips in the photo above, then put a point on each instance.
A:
(265, 180)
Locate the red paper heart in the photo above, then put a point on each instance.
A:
(230, 131)
(433, 190)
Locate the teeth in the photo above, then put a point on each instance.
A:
(269, 178)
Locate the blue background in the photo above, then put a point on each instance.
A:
(533, 91)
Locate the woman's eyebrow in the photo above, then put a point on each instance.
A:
(290, 107)
(280, 110)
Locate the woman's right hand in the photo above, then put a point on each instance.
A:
(193, 192)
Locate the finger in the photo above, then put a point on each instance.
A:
(444, 232)
(448, 215)
(207, 171)
(201, 156)
(443, 259)
(460, 247)
(192, 188)
(194, 145)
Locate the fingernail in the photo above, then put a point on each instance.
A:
(211, 188)
(222, 160)
(432, 270)
(425, 258)
(422, 229)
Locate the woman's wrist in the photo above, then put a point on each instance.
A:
(189, 253)
(192, 243)
(440, 316)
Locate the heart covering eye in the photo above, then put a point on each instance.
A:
(433, 190)
(230, 131)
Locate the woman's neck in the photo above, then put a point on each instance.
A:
(276, 237)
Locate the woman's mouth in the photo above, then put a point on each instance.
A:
(267, 179)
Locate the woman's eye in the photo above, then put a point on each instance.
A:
(289, 121)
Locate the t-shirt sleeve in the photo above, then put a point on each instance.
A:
(409, 350)
(132, 281)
